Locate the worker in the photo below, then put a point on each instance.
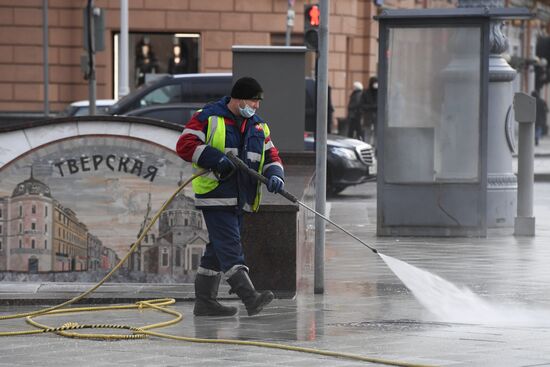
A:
(229, 125)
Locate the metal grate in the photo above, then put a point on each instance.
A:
(366, 154)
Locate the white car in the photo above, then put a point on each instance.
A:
(81, 108)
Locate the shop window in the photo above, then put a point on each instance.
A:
(155, 54)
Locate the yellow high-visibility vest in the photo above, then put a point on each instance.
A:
(215, 137)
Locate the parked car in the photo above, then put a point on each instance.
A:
(178, 113)
(81, 108)
(349, 161)
(179, 88)
(195, 88)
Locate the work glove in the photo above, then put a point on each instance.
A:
(225, 168)
(275, 184)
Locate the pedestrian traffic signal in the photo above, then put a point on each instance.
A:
(312, 19)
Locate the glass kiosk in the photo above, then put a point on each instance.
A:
(433, 121)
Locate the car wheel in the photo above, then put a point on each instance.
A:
(333, 189)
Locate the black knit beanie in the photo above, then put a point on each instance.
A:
(247, 88)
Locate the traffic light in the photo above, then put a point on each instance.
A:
(99, 29)
(312, 18)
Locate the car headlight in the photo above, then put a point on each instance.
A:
(344, 153)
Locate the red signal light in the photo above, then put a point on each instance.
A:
(314, 15)
(312, 20)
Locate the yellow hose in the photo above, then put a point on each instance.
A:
(67, 329)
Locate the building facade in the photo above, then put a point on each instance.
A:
(175, 245)
(39, 235)
(70, 240)
(3, 233)
(204, 30)
(168, 36)
(29, 218)
(94, 252)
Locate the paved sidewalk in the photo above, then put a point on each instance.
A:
(365, 310)
(542, 160)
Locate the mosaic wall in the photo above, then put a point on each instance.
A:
(71, 209)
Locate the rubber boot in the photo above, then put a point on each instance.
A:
(206, 291)
(242, 285)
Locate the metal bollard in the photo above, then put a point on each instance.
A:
(525, 112)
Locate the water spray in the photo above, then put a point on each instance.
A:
(445, 300)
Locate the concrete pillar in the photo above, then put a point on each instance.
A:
(525, 111)
(501, 180)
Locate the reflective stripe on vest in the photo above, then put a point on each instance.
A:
(258, 198)
(215, 137)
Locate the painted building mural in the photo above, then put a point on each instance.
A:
(71, 209)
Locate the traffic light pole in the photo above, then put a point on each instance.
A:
(91, 59)
(45, 40)
(321, 148)
(289, 22)
(123, 69)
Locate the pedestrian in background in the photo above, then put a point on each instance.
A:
(332, 126)
(541, 118)
(229, 125)
(369, 102)
(355, 112)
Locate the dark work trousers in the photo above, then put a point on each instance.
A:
(224, 230)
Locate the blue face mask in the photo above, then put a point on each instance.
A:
(246, 111)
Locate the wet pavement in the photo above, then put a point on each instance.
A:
(365, 310)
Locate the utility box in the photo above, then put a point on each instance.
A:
(433, 121)
(281, 73)
(525, 108)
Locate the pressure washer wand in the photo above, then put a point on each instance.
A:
(242, 166)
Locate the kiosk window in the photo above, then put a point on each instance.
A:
(432, 116)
